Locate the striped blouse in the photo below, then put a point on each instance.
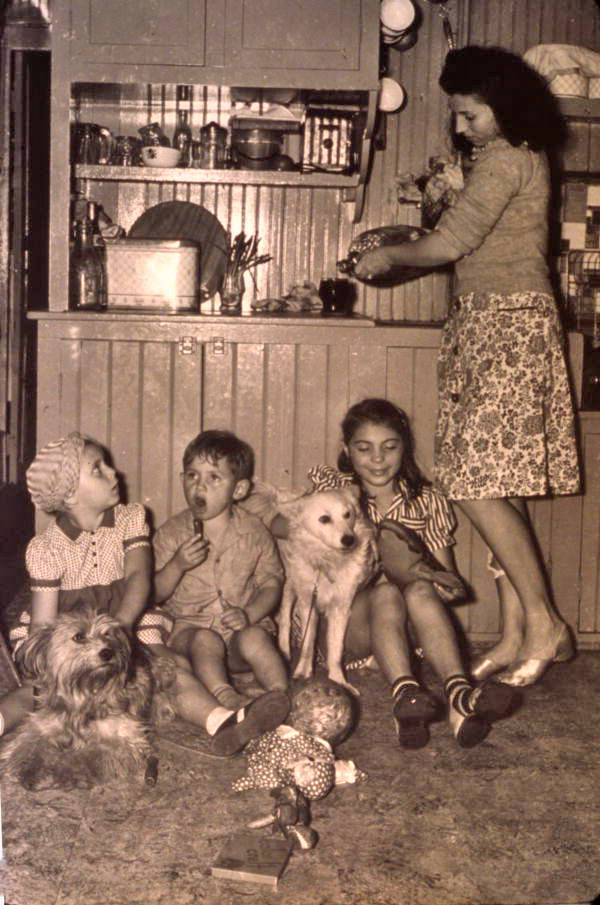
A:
(429, 514)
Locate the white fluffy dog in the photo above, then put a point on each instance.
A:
(329, 554)
(98, 696)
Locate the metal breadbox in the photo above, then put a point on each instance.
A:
(157, 274)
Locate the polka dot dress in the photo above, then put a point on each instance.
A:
(286, 756)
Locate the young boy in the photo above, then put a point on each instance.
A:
(219, 575)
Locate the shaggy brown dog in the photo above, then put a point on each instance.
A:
(98, 695)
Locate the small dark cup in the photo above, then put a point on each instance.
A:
(338, 297)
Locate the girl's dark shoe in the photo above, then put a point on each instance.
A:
(414, 709)
(490, 702)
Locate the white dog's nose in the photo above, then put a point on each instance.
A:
(348, 540)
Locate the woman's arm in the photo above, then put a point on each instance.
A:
(431, 250)
(138, 580)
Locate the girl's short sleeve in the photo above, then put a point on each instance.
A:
(136, 532)
(44, 566)
(441, 524)
(326, 477)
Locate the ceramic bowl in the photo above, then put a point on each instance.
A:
(159, 156)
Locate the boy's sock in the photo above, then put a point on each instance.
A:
(261, 715)
(228, 697)
(471, 709)
(1, 724)
(414, 708)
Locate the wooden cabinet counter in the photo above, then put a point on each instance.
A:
(146, 384)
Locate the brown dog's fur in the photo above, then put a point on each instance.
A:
(329, 554)
(99, 693)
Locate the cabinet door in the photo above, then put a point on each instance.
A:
(148, 32)
(274, 35)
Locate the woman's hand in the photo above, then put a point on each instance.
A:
(376, 263)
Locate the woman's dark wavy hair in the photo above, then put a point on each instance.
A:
(524, 106)
(380, 411)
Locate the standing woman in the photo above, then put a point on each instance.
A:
(505, 428)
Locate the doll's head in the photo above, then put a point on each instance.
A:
(323, 708)
(393, 425)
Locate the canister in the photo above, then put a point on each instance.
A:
(156, 274)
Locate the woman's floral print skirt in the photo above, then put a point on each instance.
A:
(506, 422)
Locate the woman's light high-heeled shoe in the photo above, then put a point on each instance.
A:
(485, 667)
(528, 672)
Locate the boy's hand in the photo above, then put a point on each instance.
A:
(235, 618)
(192, 552)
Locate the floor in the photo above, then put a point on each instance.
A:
(515, 820)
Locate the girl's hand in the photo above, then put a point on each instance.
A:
(376, 263)
(451, 595)
(192, 552)
(235, 618)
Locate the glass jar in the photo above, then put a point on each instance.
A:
(232, 291)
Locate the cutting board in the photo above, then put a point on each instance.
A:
(186, 220)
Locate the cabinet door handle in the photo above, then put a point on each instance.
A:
(187, 345)
(217, 345)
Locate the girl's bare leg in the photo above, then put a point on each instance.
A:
(434, 629)
(378, 626)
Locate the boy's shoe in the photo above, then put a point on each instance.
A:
(264, 713)
(414, 709)
(490, 702)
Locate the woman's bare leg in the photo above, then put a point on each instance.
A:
(503, 526)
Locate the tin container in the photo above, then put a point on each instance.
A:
(153, 274)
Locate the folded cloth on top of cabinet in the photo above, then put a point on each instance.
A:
(302, 297)
(552, 59)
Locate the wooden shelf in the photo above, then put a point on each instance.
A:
(220, 177)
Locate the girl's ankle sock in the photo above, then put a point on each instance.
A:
(460, 694)
(401, 683)
(216, 718)
(1, 724)
(228, 697)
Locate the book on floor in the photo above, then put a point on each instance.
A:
(259, 859)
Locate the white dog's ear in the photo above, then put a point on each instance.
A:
(31, 656)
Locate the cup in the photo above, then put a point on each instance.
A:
(338, 297)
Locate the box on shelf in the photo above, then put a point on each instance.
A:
(156, 274)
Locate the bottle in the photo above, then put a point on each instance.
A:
(87, 276)
(182, 138)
